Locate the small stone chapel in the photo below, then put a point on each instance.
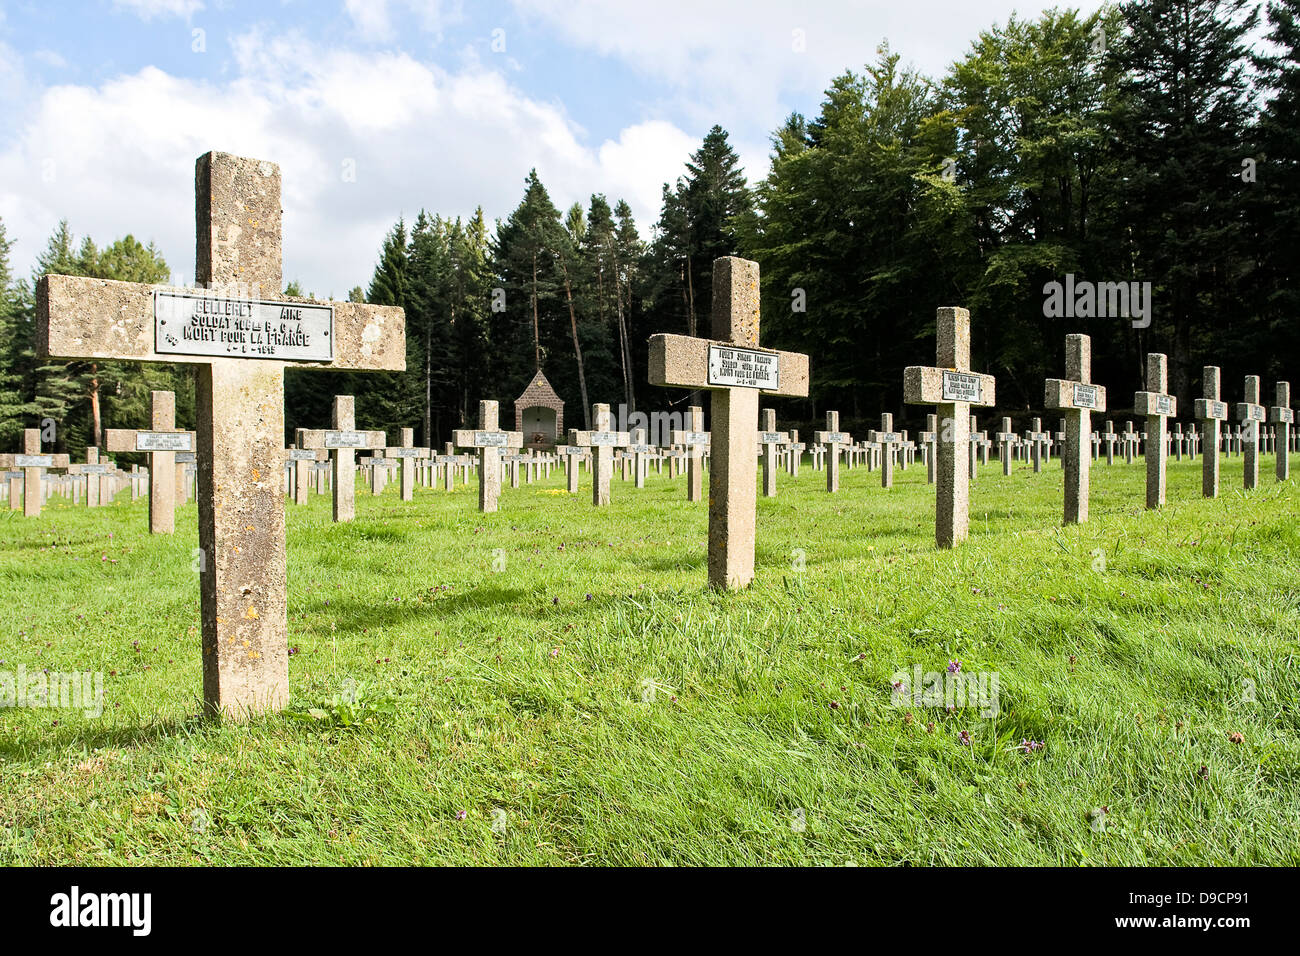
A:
(539, 414)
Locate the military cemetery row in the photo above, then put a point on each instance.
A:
(240, 333)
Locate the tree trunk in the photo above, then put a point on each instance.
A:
(577, 350)
(537, 335)
(96, 424)
(624, 353)
(690, 300)
(428, 384)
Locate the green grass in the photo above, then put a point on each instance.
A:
(594, 696)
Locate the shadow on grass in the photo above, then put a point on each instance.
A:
(87, 738)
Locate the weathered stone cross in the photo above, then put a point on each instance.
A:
(929, 446)
(1006, 445)
(1080, 398)
(1157, 406)
(695, 440)
(737, 372)
(1210, 411)
(1108, 438)
(886, 438)
(602, 443)
(240, 344)
(1283, 416)
(33, 465)
(831, 440)
(407, 453)
(97, 478)
(639, 451)
(1251, 413)
(771, 440)
(302, 460)
(1037, 440)
(162, 444)
(953, 388)
(342, 442)
(489, 440)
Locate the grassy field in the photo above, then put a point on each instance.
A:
(553, 685)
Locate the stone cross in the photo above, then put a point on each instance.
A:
(162, 443)
(301, 461)
(953, 388)
(407, 453)
(930, 446)
(489, 440)
(695, 440)
(1283, 416)
(33, 465)
(602, 443)
(1157, 406)
(448, 461)
(342, 442)
(572, 456)
(240, 344)
(639, 450)
(97, 476)
(886, 438)
(1080, 398)
(771, 440)
(1130, 439)
(1251, 413)
(1210, 411)
(1006, 443)
(736, 371)
(1037, 439)
(1109, 438)
(831, 440)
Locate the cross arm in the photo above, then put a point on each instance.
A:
(315, 438)
(1210, 410)
(836, 438)
(130, 439)
(54, 461)
(611, 439)
(683, 361)
(1065, 393)
(923, 385)
(1154, 403)
(107, 319)
(479, 438)
(1250, 412)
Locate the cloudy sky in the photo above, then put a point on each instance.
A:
(377, 108)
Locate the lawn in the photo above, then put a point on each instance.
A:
(553, 684)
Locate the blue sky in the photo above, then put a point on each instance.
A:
(377, 109)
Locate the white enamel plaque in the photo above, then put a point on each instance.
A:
(743, 368)
(195, 323)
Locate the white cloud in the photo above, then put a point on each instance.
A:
(370, 17)
(50, 58)
(374, 23)
(737, 62)
(118, 156)
(149, 9)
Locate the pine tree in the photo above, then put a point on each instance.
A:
(1181, 130)
(1276, 211)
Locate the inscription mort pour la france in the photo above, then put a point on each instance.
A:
(191, 324)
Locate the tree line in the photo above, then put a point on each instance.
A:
(1142, 160)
